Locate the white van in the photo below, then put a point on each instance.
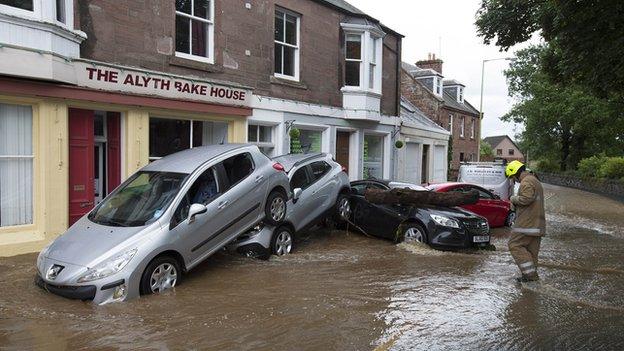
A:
(490, 175)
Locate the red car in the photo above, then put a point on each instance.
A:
(497, 211)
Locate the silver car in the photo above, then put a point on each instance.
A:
(321, 188)
(163, 221)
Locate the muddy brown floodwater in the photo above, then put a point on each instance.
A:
(344, 291)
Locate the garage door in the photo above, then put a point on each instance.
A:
(439, 164)
(412, 163)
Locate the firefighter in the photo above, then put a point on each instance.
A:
(530, 224)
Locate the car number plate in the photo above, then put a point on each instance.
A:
(481, 238)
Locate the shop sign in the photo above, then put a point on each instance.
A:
(151, 83)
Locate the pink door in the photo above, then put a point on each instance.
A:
(81, 167)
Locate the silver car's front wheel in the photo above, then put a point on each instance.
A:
(163, 277)
(161, 274)
(282, 242)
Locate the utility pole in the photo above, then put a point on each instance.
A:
(481, 102)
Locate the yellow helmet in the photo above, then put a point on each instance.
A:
(512, 168)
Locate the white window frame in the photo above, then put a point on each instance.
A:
(15, 11)
(460, 94)
(210, 22)
(369, 36)
(297, 47)
(262, 144)
(472, 129)
(385, 157)
(451, 123)
(462, 126)
(360, 61)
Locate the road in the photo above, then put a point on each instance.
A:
(345, 291)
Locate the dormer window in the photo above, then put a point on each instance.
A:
(460, 94)
(438, 86)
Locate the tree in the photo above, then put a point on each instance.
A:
(562, 122)
(583, 38)
(485, 150)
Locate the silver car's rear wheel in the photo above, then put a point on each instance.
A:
(163, 277)
(275, 208)
(278, 209)
(282, 242)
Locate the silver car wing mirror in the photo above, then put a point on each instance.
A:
(196, 209)
(297, 194)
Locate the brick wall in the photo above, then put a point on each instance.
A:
(468, 146)
(434, 108)
(422, 98)
(142, 34)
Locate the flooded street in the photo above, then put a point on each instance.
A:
(345, 291)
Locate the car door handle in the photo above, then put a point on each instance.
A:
(259, 178)
(222, 205)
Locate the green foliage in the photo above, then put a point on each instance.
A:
(399, 144)
(562, 122)
(613, 168)
(486, 150)
(547, 165)
(589, 167)
(581, 38)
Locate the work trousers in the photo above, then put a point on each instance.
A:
(524, 249)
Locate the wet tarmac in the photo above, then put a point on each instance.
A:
(345, 291)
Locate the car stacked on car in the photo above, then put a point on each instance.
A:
(177, 211)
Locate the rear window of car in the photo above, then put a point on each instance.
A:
(319, 169)
(300, 179)
(238, 167)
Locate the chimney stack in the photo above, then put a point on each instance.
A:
(431, 62)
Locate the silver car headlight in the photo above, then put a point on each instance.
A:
(445, 221)
(108, 267)
(42, 255)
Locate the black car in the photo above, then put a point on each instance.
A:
(437, 226)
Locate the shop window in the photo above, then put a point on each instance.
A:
(168, 136)
(353, 60)
(261, 136)
(309, 141)
(373, 156)
(194, 29)
(27, 5)
(286, 45)
(16, 165)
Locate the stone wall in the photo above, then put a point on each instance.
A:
(611, 188)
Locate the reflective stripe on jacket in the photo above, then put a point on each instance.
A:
(529, 203)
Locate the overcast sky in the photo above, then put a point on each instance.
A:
(446, 28)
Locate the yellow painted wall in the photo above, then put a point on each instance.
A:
(50, 179)
(51, 162)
